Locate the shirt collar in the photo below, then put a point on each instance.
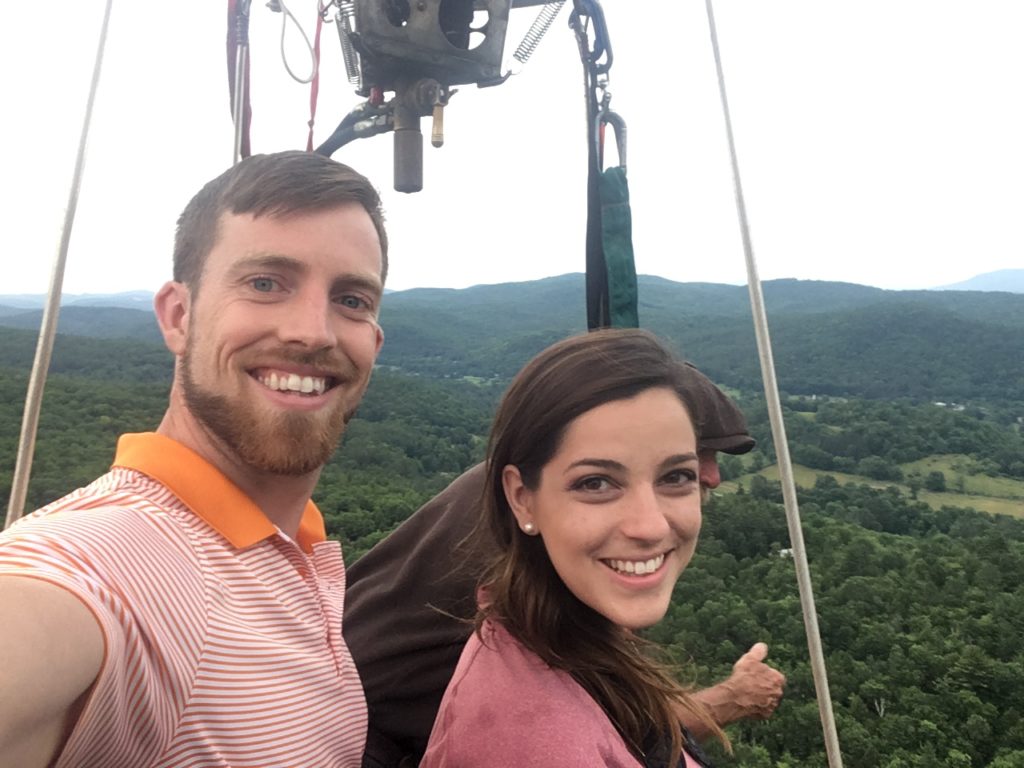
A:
(207, 492)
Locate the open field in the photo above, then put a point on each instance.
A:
(992, 505)
(956, 466)
(995, 495)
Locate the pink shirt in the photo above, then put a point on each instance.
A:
(223, 636)
(506, 708)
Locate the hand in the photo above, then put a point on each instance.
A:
(755, 688)
(753, 691)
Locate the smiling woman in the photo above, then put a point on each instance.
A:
(618, 505)
(591, 512)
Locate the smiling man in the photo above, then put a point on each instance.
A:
(185, 608)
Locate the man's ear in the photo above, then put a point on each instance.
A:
(172, 305)
(380, 341)
(519, 497)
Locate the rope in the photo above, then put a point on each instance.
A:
(44, 349)
(238, 76)
(586, 18)
(314, 87)
(305, 38)
(771, 392)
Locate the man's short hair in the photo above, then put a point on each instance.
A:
(270, 185)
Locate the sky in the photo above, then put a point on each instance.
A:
(879, 141)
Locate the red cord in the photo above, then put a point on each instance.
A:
(314, 86)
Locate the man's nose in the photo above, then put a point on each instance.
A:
(709, 475)
(309, 320)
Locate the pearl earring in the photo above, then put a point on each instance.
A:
(529, 529)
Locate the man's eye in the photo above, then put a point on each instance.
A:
(263, 284)
(353, 302)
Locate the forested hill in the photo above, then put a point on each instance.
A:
(908, 507)
(96, 322)
(829, 338)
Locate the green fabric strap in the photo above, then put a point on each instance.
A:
(617, 236)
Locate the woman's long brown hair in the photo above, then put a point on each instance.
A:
(524, 593)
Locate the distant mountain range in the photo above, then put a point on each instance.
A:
(1010, 280)
(129, 300)
(97, 321)
(829, 338)
(1006, 280)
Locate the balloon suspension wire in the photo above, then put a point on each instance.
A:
(48, 329)
(771, 391)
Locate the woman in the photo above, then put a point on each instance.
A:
(592, 510)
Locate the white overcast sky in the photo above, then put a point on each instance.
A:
(881, 142)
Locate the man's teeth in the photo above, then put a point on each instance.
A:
(638, 567)
(292, 382)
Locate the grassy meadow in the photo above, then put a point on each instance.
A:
(995, 495)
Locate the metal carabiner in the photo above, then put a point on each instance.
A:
(593, 14)
(614, 119)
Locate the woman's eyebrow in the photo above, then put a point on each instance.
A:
(602, 463)
(680, 458)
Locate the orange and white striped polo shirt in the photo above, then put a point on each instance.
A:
(223, 636)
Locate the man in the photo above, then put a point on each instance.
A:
(411, 595)
(185, 608)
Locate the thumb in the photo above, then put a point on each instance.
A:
(757, 652)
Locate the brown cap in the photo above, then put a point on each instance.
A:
(722, 425)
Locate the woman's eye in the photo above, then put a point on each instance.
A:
(679, 477)
(592, 484)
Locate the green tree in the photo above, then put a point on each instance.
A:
(935, 481)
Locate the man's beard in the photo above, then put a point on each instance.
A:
(290, 444)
